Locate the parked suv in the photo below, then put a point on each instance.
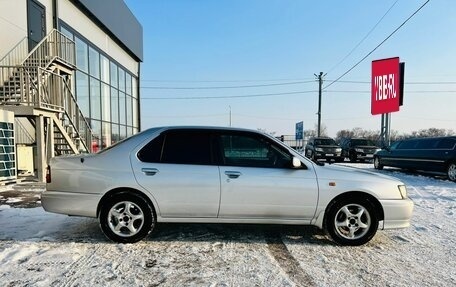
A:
(323, 148)
(428, 154)
(358, 149)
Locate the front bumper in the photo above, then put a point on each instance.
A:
(329, 156)
(364, 156)
(70, 203)
(398, 213)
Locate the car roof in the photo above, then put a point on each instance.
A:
(429, 138)
(193, 127)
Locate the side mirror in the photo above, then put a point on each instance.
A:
(296, 162)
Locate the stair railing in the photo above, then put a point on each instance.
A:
(17, 54)
(56, 95)
(54, 45)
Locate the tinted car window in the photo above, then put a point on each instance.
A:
(187, 147)
(180, 147)
(152, 151)
(411, 144)
(426, 144)
(251, 151)
(446, 144)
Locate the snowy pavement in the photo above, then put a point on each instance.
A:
(44, 249)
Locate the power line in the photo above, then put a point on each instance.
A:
(364, 38)
(285, 84)
(381, 43)
(225, 81)
(228, 97)
(227, 87)
(284, 94)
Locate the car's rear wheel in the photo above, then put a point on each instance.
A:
(126, 218)
(352, 157)
(451, 171)
(352, 221)
(377, 163)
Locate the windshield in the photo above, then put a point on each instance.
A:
(325, 142)
(363, 142)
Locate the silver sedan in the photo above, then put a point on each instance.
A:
(220, 175)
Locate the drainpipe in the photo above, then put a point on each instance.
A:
(55, 14)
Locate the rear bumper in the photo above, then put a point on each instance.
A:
(398, 213)
(70, 203)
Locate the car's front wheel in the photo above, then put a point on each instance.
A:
(377, 163)
(352, 222)
(126, 218)
(451, 171)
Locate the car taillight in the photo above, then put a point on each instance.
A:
(48, 174)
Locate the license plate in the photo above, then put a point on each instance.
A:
(329, 154)
(370, 155)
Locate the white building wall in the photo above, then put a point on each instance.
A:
(13, 24)
(13, 29)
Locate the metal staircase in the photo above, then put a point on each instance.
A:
(39, 84)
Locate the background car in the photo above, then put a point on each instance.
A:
(323, 148)
(427, 154)
(220, 175)
(358, 149)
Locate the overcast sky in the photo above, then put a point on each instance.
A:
(261, 57)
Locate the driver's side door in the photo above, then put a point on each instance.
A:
(258, 181)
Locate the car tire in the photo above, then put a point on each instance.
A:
(126, 218)
(352, 157)
(307, 153)
(451, 171)
(351, 221)
(377, 164)
(313, 157)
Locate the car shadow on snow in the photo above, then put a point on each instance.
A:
(256, 233)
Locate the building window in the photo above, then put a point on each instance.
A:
(96, 139)
(106, 137)
(113, 72)
(106, 93)
(122, 108)
(122, 80)
(129, 111)
(81, 55)
(128, 84)
(104, 69)
(105, 102)
(94, 63)
(82, 92)
(95, 99)
(114, 106)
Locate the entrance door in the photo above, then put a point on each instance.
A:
(36, 23)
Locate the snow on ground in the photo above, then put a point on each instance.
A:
(44, 249)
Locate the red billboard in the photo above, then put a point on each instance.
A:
(385, 96)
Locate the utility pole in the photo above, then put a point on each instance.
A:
(320, 84)
(230, 116)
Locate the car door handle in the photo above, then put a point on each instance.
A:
(149, 171)
(233, 174)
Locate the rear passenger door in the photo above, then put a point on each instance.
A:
(178, 170)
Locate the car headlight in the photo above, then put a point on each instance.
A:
(403, 191)
(359, 150)
(338, 149)
(319, 149)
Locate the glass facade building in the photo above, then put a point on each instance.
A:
(106, 92)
